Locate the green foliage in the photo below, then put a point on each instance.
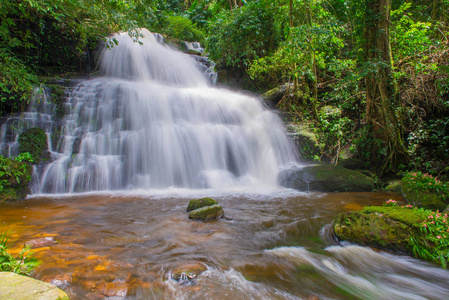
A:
(409, 36)
(34, 141)
(182, 28)
(24, 157)
(12, 173)
(49, 36)
(436, 243)
(308, 45)
(425, 183)
(16, 82)
(22, 264)
(238, 37)
(430, 141)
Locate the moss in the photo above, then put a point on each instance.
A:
(381, 226)
(34, 141)
(207, 213)
(426, 199)
(198, 203)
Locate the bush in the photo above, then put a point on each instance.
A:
(182, 28)
(22, 264)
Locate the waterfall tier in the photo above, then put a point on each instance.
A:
(153, 121)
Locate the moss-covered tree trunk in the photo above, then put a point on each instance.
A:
(382, 105)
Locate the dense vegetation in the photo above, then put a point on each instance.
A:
(371, 77)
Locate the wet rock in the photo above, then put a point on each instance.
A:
(198, 203)
(206, 213)
(42, 242)
(305, 140)
(187, 273)
(274, 96)
(114, 289)
(60, 280)
(194, 52)
(18, 287)
(325, 178)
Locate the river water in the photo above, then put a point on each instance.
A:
(273, 244)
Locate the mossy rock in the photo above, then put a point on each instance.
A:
(325, 178)
(274, 96)
(198, 203)
(305, 140)
(34, 141)
(394, 186)
(19, 287)
(383, 227)
(207, 213)
(426, 199)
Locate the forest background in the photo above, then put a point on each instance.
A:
(369, 77)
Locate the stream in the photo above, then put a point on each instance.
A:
(272, 244)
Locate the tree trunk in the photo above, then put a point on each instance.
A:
(381, 92)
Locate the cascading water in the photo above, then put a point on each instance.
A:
(154, 121)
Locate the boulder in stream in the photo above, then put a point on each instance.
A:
(207, 213)
(198, 203)
(19, 287)
(383, 227)
(325, 178)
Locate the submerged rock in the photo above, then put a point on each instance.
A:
(187, 273)
(198, 203)
(42, 242)
(207, 213)
(325, 178)
(18, 287)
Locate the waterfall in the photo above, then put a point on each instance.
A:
(153, 121)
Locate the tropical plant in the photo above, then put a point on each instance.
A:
(22, 263)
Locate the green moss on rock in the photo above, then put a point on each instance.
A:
(198, 203)
(34, 141)
(423, 198)
(381, 226)
(207, 213)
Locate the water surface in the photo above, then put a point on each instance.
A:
(271, 245)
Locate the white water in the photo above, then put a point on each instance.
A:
(153, 122)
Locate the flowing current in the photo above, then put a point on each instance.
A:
(153, 121)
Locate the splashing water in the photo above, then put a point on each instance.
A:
(154, 121)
